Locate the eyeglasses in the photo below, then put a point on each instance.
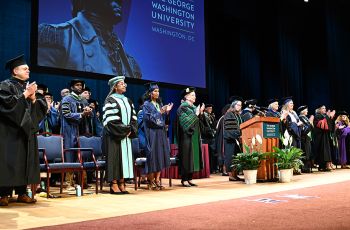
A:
(122, 83)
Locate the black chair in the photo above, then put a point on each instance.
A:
(92, 157)
(139, 162)
(51, 152)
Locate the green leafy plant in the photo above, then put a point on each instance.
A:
(288, 157)
(250, 159)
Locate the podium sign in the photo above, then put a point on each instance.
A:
(271, 130)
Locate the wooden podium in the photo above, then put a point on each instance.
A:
(268, 129)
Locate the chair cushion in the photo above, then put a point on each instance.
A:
(65, 165)
(140, 161)
(173, 160)
(91, 164)
(101, 164)
(42, 167)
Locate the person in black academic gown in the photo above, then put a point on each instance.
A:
(188, 136)
(119, 126)
(306, 137)
(208, 130)
(322, 124)
(248, 111)
(20, 113)
(291, 122)
(231, 134)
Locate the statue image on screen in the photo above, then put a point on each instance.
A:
(87, 41)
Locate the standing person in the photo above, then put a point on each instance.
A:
(219, 141)
(188, 136)
(248, 112)
(120, 124)
(20, 113)
(208, 132)
(272, 110)
(231, 136)
(291, 122)
(322, 140)
(342, 127)
(50, 122)
(157, 151)
(306, 138)
(64, 92)
(73, 111)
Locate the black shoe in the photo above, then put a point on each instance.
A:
(235, 179)
(224, 174)
(111, 191)
(190, 183)
(185, 185)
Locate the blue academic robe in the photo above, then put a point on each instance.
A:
(157, 148)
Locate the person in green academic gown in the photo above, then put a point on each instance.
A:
(188, 136)
(20, 114)
(120, 125)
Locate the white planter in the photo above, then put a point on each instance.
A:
(285, 175)
(250, 176)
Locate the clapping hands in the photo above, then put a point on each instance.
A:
(167, 108)
(200, 109)
(30, 91)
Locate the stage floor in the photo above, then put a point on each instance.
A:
(70, 209)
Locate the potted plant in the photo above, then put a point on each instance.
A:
(288, 158)
(249, 161)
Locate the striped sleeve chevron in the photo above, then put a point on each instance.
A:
(110, 112)
(187, 118)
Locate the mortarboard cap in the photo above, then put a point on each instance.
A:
(43, 88)
(75, 81)
(93, 101)
(208, 105)
(285, 100)
(342, 113)
(188, 90)
(14, 62)
(250, 102)
(318, 106)
(151, 86)
(87, 89)
(272, 100)
(115, 80)
(48, 94)
(302, 108)
(235, 98)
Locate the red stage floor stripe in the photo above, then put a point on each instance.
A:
(327, 207)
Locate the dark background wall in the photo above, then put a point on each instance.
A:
(269, 48)
(275, 48)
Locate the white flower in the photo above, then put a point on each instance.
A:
(253, 140)
(290, 140)
(286, 135)
(285, 142)
(259, 139)
(237, 142)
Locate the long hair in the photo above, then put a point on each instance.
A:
(147, 96)
(339, 119)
